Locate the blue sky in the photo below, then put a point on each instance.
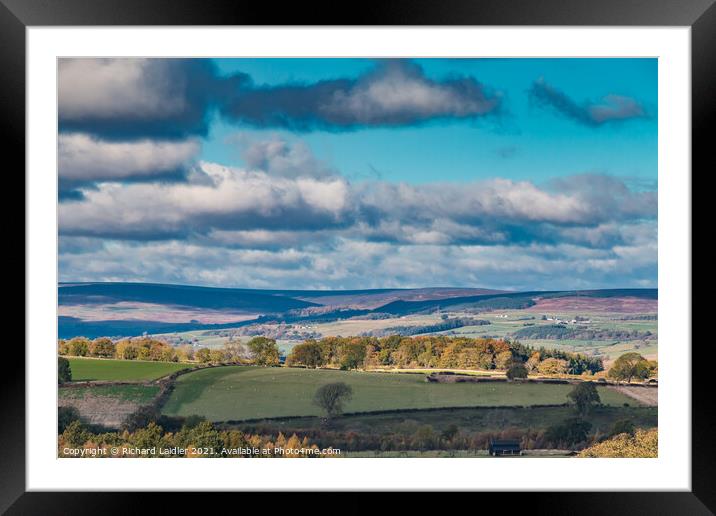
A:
(524, 145)
(360, 173)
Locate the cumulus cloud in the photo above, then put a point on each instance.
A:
(83, 158)
(286, 198)
(278, 157)
(126, 98)
(232, 199)
(610, 108)
(395, 93)
(356, 264)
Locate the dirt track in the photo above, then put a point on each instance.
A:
(646, 395)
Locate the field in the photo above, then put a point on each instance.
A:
(468, 420)
(141, 394)
(86, 369)
(238, 393)
(107, 405)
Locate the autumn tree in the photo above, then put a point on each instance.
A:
(79, 346)
(629, 366)
(332, 396)
(643, 444)
(307, 354)
(203, 355)
(264, 351)
(552, 366)
(102, 347)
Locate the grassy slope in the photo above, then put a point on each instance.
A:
(467, 420)
(249, 392)
(119, 370)
(141, 394)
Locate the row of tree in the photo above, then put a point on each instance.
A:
(430, 351)
(259, 350)
(436, 351)
(199, 440)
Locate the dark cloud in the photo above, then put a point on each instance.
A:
(127, 98)
(395, 93)
(174, 99)
(611, 108)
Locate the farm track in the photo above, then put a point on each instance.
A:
(646, 396)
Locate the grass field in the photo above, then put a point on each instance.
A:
(84, 369)
(236, 393)
(140, 394)
(468, 420)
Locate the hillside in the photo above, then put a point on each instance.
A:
(128, 309)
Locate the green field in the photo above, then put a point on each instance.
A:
(237, 393)
(141, 394)
(468, 420)
(84, 369)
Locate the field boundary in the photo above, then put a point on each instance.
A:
(234, 422)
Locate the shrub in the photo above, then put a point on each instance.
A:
(517, 370)
(64, 371)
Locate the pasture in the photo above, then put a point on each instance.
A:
(239, 393)
(89, 369)
(468, 420)
(141, 394)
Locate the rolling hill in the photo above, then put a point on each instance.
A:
(129, 309)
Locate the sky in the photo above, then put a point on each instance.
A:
(518, 174)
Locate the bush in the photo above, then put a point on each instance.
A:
(65, 416)
(644, 443)
(569, 433)
(623, 426)
(64, 371)
(516, 371)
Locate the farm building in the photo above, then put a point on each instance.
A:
(504, 447)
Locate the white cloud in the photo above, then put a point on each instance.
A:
(124, 87)
(85, 158)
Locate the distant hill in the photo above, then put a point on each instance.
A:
(92, 309)
(257, 301)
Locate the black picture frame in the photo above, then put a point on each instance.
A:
(17, 15)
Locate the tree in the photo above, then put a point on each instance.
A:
(584, 396)
(63, 347)
(644, 443)
(307, 354)
(353, 355)
(102, 347)
(126, 350)
(79, 346)
(203, 355)
(552, 366)
(569, 433)
(516, 370)
(64, 371)
(264, 351)
(533, 361)
(65, 416)
(503, 360)
(623, 426)
(628, 366)
(331, 397)
(235, 351)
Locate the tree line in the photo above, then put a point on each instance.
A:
(259, 350)
(436, 351)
